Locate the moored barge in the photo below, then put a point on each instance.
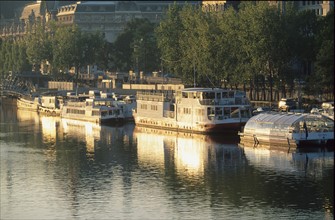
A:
(288, 129)
(196, 110)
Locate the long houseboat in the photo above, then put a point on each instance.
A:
(198, 110)
(28, 103)
(92, 109)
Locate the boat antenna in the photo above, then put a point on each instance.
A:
(210, 80)
(193, 75)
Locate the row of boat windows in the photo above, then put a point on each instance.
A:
(48, 100)
(211, 95)
(94, 113)
(223, 111)
(75, 111)
(99, 103)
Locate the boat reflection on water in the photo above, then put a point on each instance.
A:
(83, 131)
(49, 128)
(311, 162)
(26, 116)
(192, 155)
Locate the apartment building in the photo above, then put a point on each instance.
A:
(108, 17)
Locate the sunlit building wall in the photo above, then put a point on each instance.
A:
(213, 5)
(111, 17)
(321, 8)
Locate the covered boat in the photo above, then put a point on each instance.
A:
(282, 129)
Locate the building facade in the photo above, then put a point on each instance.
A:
(320, 8)
(108, 17)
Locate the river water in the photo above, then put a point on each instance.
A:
(53, 168)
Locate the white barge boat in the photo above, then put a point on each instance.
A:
(288, 129)
(25, 103)
(93, 109)
(197, 110)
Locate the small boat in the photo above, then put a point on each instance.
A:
(288, 129)
(196, 110)
(28, 103)
(50, 105)
(93, 109)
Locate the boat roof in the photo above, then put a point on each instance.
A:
(276, 118)
(283, 119)
(199, 89)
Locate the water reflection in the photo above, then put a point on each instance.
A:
(25, 116)
(72, 170)
(191, 155)
(309, 162)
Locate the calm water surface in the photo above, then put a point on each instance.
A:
(53, 168)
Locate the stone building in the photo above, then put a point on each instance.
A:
(108, 17)
(321, 8)
(25, 16)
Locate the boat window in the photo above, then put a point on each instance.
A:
(144, 106)
(95, 113)
(234, 112)
(240, 93)
(218, 95)
(224, 94)
(210, 111)
(184, 94)
(231, 94)
(208, 95)
(245, 113)
(200, 112)
(218, 111)
(226, 111)
(187, 111)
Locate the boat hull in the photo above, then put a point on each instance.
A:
(169, 124)
(27, 105)
(97, 120)
(49, 111)
(290, 142)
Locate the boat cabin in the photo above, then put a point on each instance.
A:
(271, 127)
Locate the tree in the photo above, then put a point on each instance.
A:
(136, 47)
(168, 33)
(37, 44)
(324, 64)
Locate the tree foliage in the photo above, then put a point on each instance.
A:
(259, 45)
(136, 47)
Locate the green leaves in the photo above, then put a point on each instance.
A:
(258, 44)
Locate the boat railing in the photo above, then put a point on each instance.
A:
(75, 104)
(152, 96)
(227, 101)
